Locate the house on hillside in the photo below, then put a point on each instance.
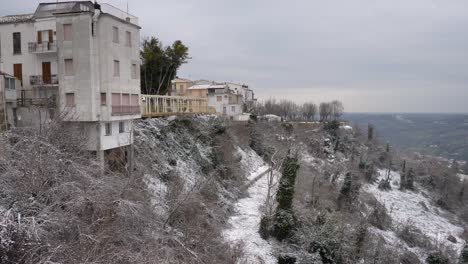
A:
(79, 58)
(179, 87)
(224, 100)
(8, 86)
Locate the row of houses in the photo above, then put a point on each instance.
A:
(75, 57)
(82, 58)
(227, 98)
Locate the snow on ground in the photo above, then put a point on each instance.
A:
(244, 224)
(412, 207)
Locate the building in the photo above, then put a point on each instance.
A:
(247, 94)
(224, 100)
(80, 58)
(8, 104)
(199, 90)
(179, 87)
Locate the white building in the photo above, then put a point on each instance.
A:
(8, 85)
(224, 100)
(247, 94)
(85, 58)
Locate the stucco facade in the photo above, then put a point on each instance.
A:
(85, 59)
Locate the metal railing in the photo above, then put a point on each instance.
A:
(42, 47)
(38, 80)
(27, 98)
(125, 109)
(161, 105)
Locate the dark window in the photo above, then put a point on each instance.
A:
(121, 127)
(17, 43)
(108, 128)
(103, 99)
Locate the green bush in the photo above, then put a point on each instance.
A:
(437, 258)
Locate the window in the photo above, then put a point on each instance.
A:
(16, 43)
(115, 34)
(219, 98)
(116, 68)
(121, 127)
(134, 71)
(233, 109)
(135, 100)
(103, 99)
(70, 99)
(125, 100)
(108, 129)
(181, 87)
(128, 39)
(67, 32)
(68, 67)
(10, 83)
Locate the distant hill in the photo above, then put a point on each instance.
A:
(443, 135)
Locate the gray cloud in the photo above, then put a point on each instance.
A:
(373, 55)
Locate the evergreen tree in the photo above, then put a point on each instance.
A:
(370, 132)
(284, 217)
(464, 254)
(410, 179)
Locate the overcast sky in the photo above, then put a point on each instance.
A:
(373, 55)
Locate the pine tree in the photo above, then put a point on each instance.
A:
(464, 254)
(410, 179)
(284, 219)
(370, 132)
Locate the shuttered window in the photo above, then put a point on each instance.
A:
(135, 100)
(67, 32)
(116, 99)
(125, 99)
(69, 67)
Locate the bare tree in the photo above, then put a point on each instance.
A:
(309, 110)
(336, 109)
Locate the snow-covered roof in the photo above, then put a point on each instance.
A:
(207, 86)
(16, 19)
(180, 80)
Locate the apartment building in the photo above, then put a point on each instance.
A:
(84, 58)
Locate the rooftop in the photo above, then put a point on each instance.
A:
(16, 18)
(45, 10)
(207, 86)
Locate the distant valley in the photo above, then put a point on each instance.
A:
(443, 135)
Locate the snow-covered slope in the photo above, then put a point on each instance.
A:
(413, 208)
(244, 224)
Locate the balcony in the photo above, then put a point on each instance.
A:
(44, 81)
(42, 47)
(125, 110)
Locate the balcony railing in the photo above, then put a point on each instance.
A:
(125, 110)
(39, 80)
(42, 47)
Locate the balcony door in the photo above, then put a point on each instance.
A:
(46, 73)
(18, 71)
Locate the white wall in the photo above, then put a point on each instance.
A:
(93, 58)
(231, 109)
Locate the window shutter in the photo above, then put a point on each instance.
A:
(39, 37)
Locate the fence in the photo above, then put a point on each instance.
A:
(161, 105)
